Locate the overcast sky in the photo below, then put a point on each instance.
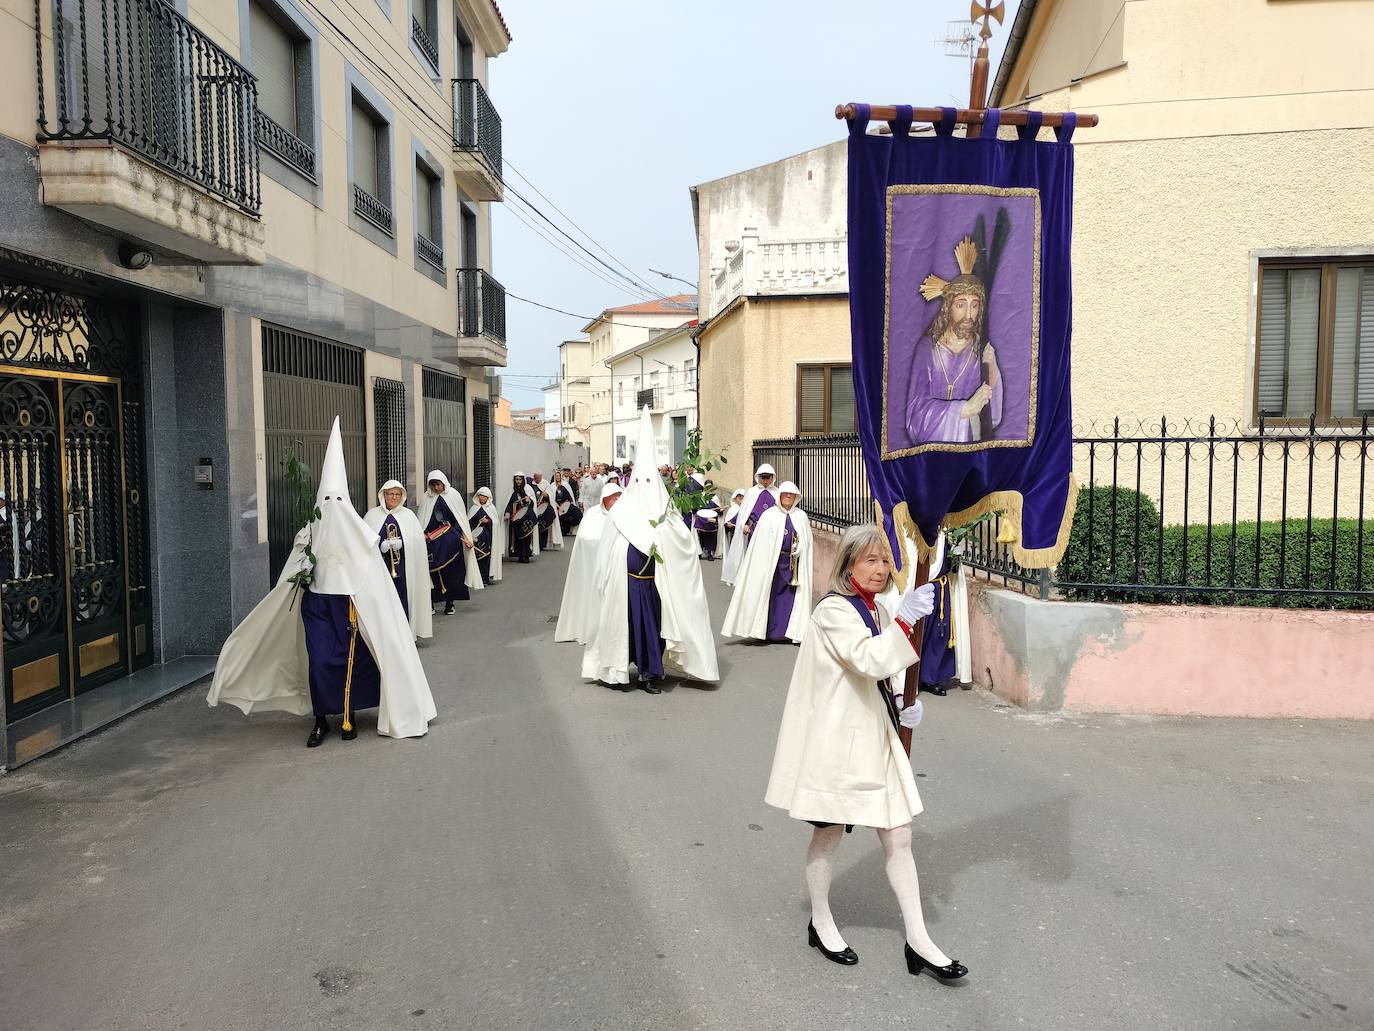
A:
(614, 108)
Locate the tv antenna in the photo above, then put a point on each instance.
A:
(960, 40)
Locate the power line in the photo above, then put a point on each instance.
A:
(592, 318)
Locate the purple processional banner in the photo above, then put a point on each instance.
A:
(960, 312)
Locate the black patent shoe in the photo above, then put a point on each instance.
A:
(936, 689)
(318, 734)
(915, 962)
(349, 732)
(846, 957)
(650, 687)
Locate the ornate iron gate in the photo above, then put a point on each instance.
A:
(389, 425)
(73, 526)
(307, 381)
(446, 436)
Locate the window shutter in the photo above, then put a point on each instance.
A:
(1304, 313)
(1364, 380)
(842, 399)
(1273, 343)
(365, 151)
(1345, 343)
(811, 401)
(274, 63)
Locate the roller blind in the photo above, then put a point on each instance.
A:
(1365, 377)
(1273, 340)
(424, 205)
(274, 63)
(841, 399)
(1345, 344)
(811, 400)
(365, 151)
(1304, 311)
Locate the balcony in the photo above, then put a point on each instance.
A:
(429, 252)
(148, 128)
(481, 318)
(420, 36)
(751, 266)
(286, 145)
(370, 208)
(650, 398)
(476, 142)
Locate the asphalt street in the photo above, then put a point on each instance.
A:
(556, 855)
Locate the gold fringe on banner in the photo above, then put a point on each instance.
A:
(1006, 502)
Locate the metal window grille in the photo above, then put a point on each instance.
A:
(446, 442)
(481, 442)
(389, 423)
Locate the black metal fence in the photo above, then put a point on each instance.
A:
(476, 125)
(481, 304)
(137, 72)
(1206, 513)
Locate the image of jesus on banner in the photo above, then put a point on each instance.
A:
(962, 320)
(954, 381)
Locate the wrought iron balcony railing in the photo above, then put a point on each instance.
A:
(369, 207)
(422, 39)
(649, 397)
(136, 72)
(476, 125)
(429, 251)
(286, 145)
(481, 305)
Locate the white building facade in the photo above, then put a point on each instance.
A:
(659, 374)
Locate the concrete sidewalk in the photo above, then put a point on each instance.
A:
(558, 855)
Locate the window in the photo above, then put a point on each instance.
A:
(825, 399)
(424, 19)
(429, 219)
(371, 159)
(1315, 353)
(280, 57)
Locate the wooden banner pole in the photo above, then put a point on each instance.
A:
(963, 116)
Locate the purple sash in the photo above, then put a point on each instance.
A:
(870, 619)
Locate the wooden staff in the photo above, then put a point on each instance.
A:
(963, 116)
(913, 672)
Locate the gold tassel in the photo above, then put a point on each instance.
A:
(348, 674)
(1006, 533)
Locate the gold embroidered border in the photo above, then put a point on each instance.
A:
(966, 189)
(1007, 502)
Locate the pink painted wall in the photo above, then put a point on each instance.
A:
(1172, 660)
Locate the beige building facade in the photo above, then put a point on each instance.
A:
(224, 224)
(614, 331)
(575, 390)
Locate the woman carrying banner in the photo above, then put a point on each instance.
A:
(839, 761)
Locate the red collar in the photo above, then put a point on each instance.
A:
(867, 596)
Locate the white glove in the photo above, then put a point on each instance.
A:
(391, 544)
(917, 604)
(910, 717)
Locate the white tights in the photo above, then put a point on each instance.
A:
(901, 874)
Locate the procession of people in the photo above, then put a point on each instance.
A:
(338, 633)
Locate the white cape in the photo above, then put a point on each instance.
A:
(264, 665)
(453, 501)
(546, 491)
(415, 555)
(747, 615)
(739, 544)
(580, 609)
(643, 517)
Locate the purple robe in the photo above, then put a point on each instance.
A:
(646, 615)
(782, 596)
(447, 568)
(395, 560)
(941, 381)
(762, 504)
(708, 530)
(327, 639)
(937, 654)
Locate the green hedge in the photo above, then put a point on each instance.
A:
(1284, 556)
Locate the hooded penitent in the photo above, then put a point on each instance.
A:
(772, 599)
(757, 500)
(685, 618)
(265, 665)
(486, 522)
(445, 554)
(548, 515)
(579, 611)
(408, 566)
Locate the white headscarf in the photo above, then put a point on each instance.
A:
(453, 501)
(413, 551)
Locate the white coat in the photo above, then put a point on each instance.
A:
(415, 554)
(838, 757)
(747, 615)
